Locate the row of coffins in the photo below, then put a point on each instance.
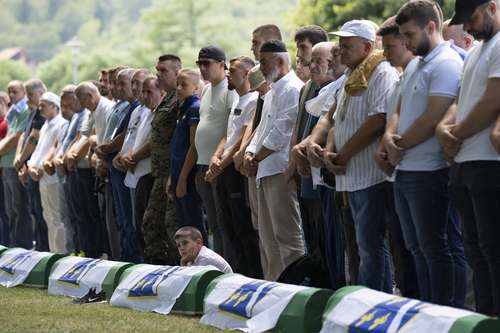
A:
(233, 301)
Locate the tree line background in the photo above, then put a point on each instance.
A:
(135, 32)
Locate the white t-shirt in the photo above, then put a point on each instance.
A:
(208, 257)
(240, 115)
(215, 105)
(438, 74)
(481, 64)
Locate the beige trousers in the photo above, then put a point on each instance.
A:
(279, 225)
(54, 216)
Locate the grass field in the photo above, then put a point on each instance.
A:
(27, 310)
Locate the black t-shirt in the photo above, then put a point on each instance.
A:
(35, 121)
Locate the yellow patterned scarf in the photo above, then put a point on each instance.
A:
(358, 80)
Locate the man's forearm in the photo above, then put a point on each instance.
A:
(9, 143)
(117, 142)
(319, 133)
(263, 153)
(189, 163)
(142, 153)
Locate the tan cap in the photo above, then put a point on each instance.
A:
(256, 78)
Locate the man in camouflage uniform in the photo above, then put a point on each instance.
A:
(159, 222)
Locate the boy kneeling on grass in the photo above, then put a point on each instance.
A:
(193, 253)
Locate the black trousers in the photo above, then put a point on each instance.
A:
(92, 232)
(475, 193)
(237, 223)
(141, 199)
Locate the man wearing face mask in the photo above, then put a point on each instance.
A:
(470, 137)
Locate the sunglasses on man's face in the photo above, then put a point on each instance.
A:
(205, 62)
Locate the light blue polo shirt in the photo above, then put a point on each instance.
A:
(438, 74)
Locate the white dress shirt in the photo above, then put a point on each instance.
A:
(49, 133)
(351, 113)
(274, 132)
(142, 137)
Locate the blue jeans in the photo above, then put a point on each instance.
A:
(334, 237)
(422, 205)
(124, 217)
(16, 201)
(456, 243)
(369, 208)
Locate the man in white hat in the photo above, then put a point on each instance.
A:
(50, 106)
(357, 124)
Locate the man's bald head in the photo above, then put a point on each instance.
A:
(321, 57)
(88, 95)
(16, 91)
(457, 34)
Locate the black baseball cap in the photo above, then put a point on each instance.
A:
(464, 10)
(212, 52)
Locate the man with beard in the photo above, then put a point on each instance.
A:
(465, 136)
(279, 223)
(229, 183)
(428, 89)
(104, 87)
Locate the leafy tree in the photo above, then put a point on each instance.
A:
(12, 70)
(331, 14)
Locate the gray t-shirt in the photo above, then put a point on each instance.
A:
(215, 106)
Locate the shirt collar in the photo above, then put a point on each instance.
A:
(54, 120)
(21, 105)
(435, 52)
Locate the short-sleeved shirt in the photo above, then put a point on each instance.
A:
(17, 124)
(162, 130)
(350, 115)
(34, 121)
(208, 257)
(241, 112)
(215, 106)
(436, 75)
(482, 64)
(97, 119)
(188, 116)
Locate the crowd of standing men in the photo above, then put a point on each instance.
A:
(383, 148)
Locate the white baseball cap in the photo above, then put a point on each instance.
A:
(357, 28)
(51, 98)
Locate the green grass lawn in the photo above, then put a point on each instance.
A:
(27, 310)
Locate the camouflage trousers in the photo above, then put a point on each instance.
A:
(158, 227)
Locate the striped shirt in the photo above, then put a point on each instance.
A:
(350, 115)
